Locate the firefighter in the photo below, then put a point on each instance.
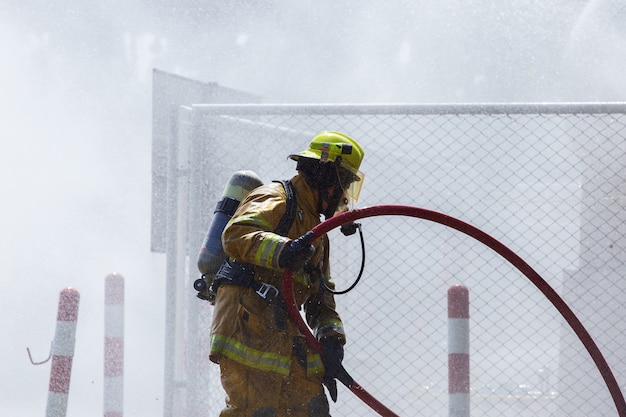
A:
(266, 367)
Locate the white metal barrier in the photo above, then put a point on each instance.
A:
(545, 178)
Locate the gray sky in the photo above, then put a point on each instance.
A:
(75, 117)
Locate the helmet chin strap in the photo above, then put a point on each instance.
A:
(332, 201)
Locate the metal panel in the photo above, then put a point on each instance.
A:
(168, 92)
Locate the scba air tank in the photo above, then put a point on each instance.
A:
(211, 253)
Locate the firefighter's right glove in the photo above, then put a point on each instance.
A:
(296, 252)
(332, 356)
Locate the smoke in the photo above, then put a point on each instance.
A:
(595, 52)
(75, 123)
(75, 185)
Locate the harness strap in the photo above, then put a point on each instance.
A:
(290, 212)
(232, 272)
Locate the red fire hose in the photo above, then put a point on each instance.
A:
(505, 252)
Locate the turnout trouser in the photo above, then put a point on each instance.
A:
(255, 393)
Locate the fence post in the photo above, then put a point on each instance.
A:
(62, 353)
(114, 346)
(458, 351)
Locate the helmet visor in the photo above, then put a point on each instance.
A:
(351, 183)
(354, 189)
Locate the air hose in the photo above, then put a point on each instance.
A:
(347, 230)
(501, 249)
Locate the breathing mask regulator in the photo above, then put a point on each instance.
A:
(325, 177)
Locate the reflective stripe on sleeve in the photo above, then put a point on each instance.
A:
(268, 251)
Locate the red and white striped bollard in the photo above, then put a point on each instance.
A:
(63, 353)
(114, 346)
(458, 352)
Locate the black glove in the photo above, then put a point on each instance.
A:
(332, 355)
(296, 252)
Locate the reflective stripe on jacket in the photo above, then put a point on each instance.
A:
(244, 325)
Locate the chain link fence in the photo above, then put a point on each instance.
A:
(548, 181)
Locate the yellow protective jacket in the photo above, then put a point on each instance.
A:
(244, 326)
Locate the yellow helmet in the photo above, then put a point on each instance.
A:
(327, 146)
(342, 150)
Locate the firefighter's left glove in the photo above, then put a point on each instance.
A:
(332, 356)
(296, 252)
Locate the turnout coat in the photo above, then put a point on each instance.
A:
(245, 327)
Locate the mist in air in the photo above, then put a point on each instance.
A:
(75, 128)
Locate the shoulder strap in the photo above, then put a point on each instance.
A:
(290, 212)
